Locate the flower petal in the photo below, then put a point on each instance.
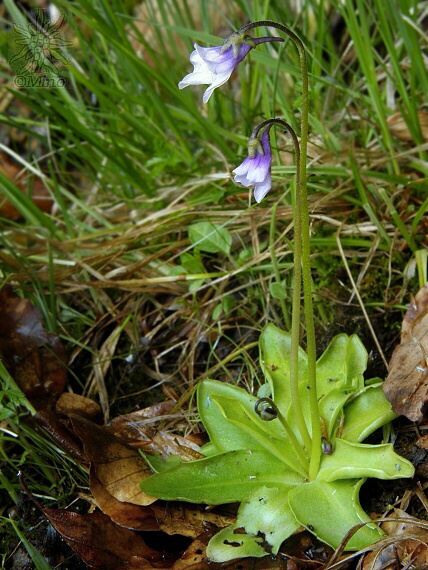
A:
(260, 190)
(196, 59)
(266, 143)
(216, 82)
(218, 62)
(243, 180)
(200, 78)
(243, 167)
(258, 169)
(211, 54)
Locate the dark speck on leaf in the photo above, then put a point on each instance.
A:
(235, 544)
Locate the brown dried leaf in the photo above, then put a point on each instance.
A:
(406, 386)
(136, 430)
(400, 130)
(401, 525)
(34, 358)
(422, 442)
(102, 544)
(69, 404)
(147, 416)
(410, 543)
(383, 557)
(187, 520)
(195, 557)
(28, 184)
(64, 437)
(128, 515)
(58, 424)
(118, 467)
(167, 444)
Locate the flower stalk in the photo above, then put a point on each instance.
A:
(302, 263)
(297, 277)
(275, 264)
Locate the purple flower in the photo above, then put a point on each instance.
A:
(214, 65)
(256, 168)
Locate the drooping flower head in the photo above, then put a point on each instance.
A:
(214, 65)
(256, 168)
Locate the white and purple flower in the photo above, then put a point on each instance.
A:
(214, 65)
(256, 168)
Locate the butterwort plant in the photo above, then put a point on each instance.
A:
(292, 455)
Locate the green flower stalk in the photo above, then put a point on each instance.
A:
(302, 264)
(255, 170)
